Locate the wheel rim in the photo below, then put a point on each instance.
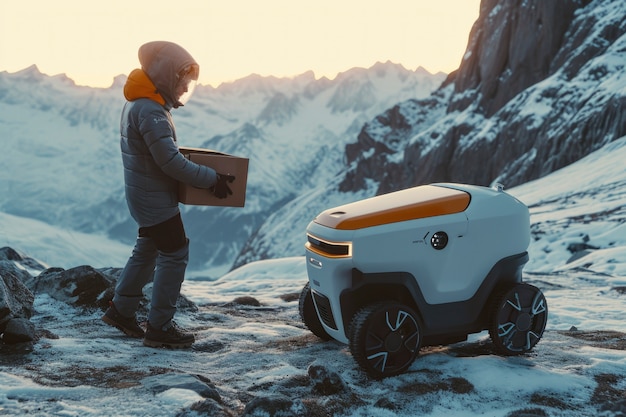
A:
(520, 320)
(391, 340)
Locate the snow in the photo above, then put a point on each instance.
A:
(60, 247)
(587, 198)
(251, 349)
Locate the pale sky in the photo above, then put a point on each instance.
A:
(92, 41)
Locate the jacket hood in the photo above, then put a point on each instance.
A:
(138, 85)
(163, 61)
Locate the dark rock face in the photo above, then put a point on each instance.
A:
(538, 89)
(16, 305)
(19, 330)
(385, 136)
(10, 254)
(15, 299)
(512, 46)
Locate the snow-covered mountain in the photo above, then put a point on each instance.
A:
(61, 163)
(539, 87)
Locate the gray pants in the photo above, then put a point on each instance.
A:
(165, 269)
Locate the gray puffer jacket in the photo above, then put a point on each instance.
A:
(153, 166)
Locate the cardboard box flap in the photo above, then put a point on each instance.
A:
(187, 150)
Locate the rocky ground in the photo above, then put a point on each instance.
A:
(255, 358)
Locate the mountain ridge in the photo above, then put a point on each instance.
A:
(62, 138)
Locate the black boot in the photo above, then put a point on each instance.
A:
(128, 325)
(171, 337)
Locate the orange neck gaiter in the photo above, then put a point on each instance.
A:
(139, 85)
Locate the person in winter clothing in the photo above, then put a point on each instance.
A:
(153, 166)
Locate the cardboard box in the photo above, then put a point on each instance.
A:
(222, 163)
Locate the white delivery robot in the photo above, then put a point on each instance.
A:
(423, 266)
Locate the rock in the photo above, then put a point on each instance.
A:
(208, 407)
(325, 382)
(616, 407)
(247, 301)
(619, 289)
(578, 255)
(16, 300)
(275, 406)
(10, 254)
(528, 412)
(196, 383)
(386, 403)
(460, 385)
(575, 248)
(86, 286)
(81, 286)
(19, 330)
(294, 296)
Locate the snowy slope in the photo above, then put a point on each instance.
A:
(584, 203)
(56, 246)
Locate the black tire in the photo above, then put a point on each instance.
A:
(385, 338)
(308, 314)
(519, 317)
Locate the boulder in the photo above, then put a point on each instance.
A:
(196, 383)
(19, 330)
(208, 407)
(275, 405)
(325, 381)
(80, 286)
(16, 304)
(15, 299)
(10, 254)
(85, 286)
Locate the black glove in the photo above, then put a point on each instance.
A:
(221, 188)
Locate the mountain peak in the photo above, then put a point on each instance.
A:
(31, 72)
(119, 81)
(387, 66)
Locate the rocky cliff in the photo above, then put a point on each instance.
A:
(540, 86)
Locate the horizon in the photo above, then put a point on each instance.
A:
(316, 77)
(231, 40)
